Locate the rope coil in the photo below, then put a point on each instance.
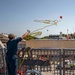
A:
(35, 33)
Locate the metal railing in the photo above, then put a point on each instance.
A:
(47, 60)
(2, 62)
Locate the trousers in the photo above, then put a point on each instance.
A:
(12, 64)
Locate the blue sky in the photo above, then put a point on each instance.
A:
(16, 16)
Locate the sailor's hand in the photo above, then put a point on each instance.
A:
(26, 34)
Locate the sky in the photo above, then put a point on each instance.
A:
(17, 16)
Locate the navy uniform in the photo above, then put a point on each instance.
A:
(11, 56)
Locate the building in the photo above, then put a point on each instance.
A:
(1, 45)
(58, 37)
(3, 39)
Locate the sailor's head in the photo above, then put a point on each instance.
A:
(11, 36)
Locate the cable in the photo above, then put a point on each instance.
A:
(25, 51)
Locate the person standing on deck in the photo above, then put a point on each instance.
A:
(11, 55)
